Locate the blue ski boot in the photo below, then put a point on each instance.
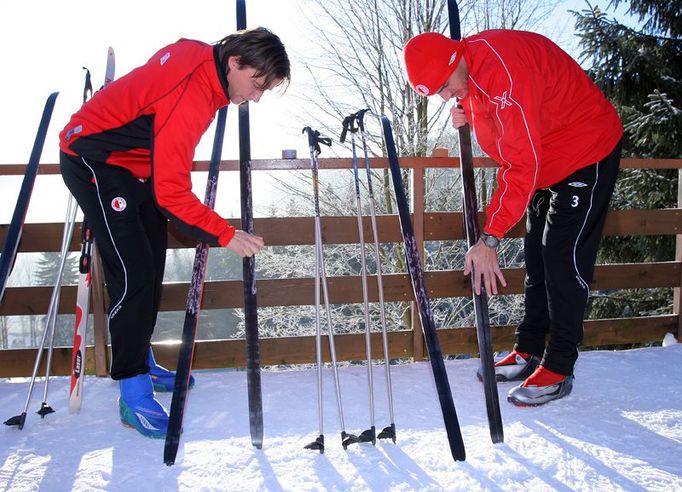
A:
(162, 378)
(139, 409)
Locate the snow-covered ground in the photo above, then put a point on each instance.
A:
(620, 429)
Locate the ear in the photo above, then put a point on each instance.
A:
(234, 62)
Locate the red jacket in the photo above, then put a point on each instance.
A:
(150, 122)
(536, 112)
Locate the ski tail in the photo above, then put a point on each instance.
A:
(11, 246)
(415, 271)
(192, 311)
(485, 345)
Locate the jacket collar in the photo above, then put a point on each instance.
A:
(221, 71)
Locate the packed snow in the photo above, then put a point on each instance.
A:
(620, 429)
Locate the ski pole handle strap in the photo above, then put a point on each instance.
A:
(349, 125)
(361, 118)
(315, 139)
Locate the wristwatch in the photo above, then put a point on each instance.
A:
(490, 240)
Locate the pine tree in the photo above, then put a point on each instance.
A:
(640, 71)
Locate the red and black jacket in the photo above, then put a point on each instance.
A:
(150, 122)
(536, 112)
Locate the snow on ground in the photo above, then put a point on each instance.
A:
(620, 429)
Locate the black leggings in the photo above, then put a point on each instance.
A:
(563, 231)
(131, 238)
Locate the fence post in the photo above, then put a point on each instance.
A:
(99, 320)
(418, 198)
(677, 294)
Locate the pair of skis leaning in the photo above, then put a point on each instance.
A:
(415, 271)
(181, 389)
(82, 301)
(485, 343)
(352, 124)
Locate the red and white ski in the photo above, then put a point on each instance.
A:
(84, 282)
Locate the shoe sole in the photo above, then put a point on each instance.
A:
(125, 417)
(150, 436)
(564, 389)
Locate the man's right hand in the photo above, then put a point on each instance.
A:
(245, 244)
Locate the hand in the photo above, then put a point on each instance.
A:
(245, 244)
(482, 261)
(458, 117)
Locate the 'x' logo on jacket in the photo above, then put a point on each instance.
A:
(504, 102)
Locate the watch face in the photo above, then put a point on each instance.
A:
(490, 241)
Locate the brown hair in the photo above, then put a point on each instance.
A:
(258, 48)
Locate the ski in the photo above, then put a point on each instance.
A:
(85, 275)
(111, 67)
(81, 322)
(485, 343)
(253, 379)
(9, 249)
(413, 260)
(196, 289)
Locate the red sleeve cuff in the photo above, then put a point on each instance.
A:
(225, 238)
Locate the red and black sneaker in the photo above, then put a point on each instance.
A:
(540, 387)
(516, 366)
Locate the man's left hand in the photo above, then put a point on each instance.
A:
(482, 260)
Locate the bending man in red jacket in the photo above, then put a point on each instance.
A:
(558, 143)
(126, 156)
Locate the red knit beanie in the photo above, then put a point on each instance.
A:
(430, 59)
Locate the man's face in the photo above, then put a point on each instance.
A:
(244, 85)
(456, 85)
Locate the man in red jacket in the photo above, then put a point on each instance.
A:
(558, 143)
(126, 156)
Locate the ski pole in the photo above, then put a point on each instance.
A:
(387, 432)
(72, 209)
(314, 141)
(350, 125)
(19, 420)
(318, 443)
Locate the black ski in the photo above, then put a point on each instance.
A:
(485, 343)
(414, 266)
(253, 381)
(9, 250)
(196, 289)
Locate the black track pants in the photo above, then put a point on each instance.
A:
(131, 238)
(563, 231)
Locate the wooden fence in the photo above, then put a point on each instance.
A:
(428, 226)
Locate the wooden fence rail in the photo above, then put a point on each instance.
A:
(429, 226)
